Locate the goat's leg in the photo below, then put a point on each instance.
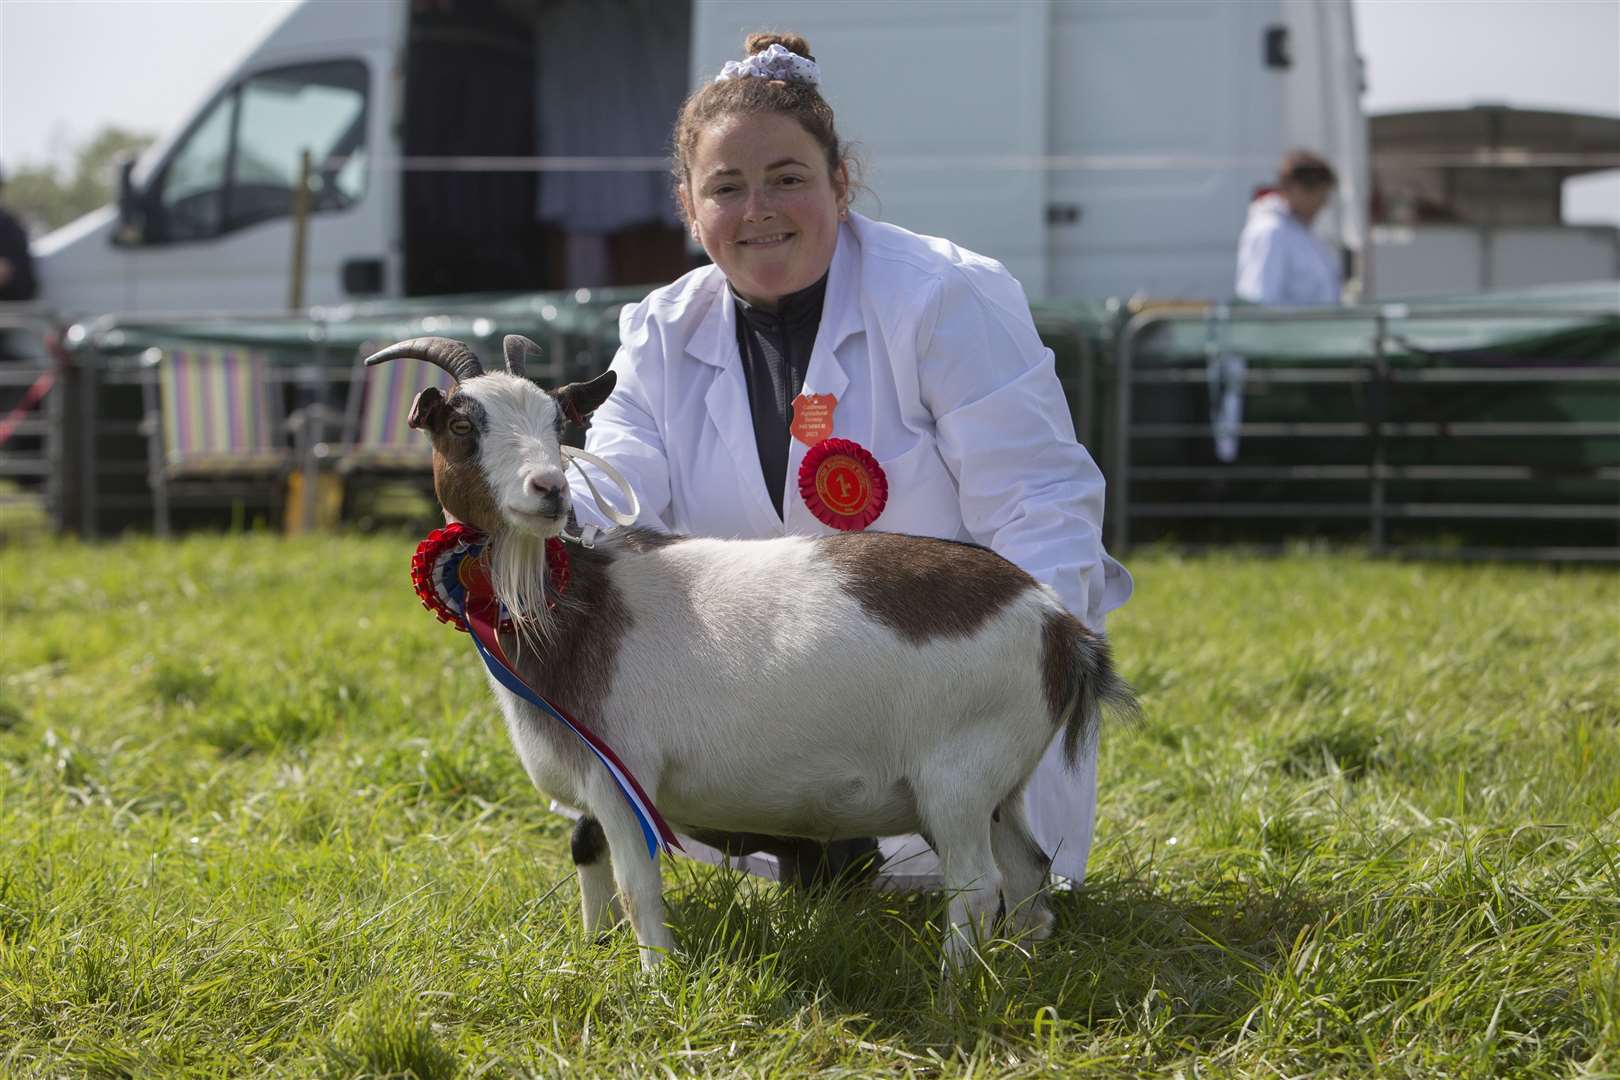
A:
(1024, 868)
(958, 823)
(599, 903)
(637, 875)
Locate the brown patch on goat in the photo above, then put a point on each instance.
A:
(458, 479)
(579, 649)
(924, 588)
(1077, 669)
(576, 657)
(464, 492)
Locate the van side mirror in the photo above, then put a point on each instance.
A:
(131, 205)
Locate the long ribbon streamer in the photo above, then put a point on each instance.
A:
(654, 829)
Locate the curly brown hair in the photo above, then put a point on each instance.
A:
(743, 97)
(1306, 169)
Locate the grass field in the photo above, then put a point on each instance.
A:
(258, 817)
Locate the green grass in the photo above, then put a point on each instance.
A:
(258, 817)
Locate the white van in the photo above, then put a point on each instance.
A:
(1103, 147)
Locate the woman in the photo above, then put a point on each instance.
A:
(815, 322)
(1280, 260)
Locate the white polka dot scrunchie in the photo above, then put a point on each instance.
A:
(776, 62)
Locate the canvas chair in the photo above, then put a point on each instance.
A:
(214, 428)
(377, 437)
(376, 447)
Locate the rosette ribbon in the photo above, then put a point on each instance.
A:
(842, 484)
(452, 583)
(654, 829)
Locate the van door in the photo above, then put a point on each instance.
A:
(946, 105)
(1166, 116)
(217, 230)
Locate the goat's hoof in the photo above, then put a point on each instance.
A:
(1030, 924)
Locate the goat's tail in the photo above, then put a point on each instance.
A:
(1081, 683)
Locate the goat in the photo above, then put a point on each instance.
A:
(857, 684)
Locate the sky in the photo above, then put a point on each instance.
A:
(65, 65)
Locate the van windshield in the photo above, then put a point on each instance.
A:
(240, 164)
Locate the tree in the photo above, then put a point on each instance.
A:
(47, 197)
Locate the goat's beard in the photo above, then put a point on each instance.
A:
(520, 578)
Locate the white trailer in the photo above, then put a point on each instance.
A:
(1097, 147)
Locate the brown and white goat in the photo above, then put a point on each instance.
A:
(862, 684)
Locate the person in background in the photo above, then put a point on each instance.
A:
(817, 327)
(1280, 260)
(17, 281)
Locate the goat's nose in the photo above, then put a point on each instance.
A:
(546, 483)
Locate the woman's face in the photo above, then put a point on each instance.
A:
(762, 204)
(1305, 201)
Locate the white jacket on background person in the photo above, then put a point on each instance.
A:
(938, 371)
(1282, 262)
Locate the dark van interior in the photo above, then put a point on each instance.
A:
(596, 83)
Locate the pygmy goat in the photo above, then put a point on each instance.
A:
(859, 684)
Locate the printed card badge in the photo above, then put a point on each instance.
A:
(813, 417)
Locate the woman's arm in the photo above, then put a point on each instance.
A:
(1262, 276)
(1028, 489)
(624, 432)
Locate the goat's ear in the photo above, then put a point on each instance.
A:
(425, 409)
(579, 400)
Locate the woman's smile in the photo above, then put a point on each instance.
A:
(765, 205)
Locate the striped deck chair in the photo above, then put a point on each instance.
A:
(214, 424)
(378, 435)
(216, 412)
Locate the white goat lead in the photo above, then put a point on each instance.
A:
(912, 684)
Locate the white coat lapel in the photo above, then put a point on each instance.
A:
(840, 317)
(715, 343)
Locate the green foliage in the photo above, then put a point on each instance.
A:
(48, 196)
(258, 817)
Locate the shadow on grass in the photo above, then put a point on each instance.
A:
(1125, 957)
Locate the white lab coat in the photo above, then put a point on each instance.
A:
(1282, 262)
(938, 372)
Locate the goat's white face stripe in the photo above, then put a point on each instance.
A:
(519, 449)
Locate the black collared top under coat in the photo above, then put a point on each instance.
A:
(775, 348)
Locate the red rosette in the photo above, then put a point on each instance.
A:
(561, 575)
(448, 573)
(436, 571)
(842, 484)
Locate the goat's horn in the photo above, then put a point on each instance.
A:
(518, 349)
(454, 356)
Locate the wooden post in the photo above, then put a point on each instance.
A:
(300, 229)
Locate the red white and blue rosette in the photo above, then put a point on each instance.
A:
(452, 581)
(443, 569)
(448, 572)
(842, 484)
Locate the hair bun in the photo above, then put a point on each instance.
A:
(793, 43)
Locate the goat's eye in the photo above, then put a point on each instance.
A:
(461, 427)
